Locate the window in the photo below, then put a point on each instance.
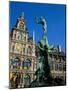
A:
(19, 35)
(60, 67)
(15, 63)
(27, 80)
(51, 65)
(26, 64)
(23, 50)
(56, 66)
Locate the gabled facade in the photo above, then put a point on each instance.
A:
(22, 58)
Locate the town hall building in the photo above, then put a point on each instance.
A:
(23, 62)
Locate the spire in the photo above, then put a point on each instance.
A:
(34, 36)
(59, 48)
(23, 14)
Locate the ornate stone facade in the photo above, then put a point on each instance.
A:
(58, 64)
(23, 62)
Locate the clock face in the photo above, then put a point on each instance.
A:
(18, 46)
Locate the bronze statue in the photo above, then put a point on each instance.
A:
(43, 75)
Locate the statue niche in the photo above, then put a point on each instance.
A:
(20, 23)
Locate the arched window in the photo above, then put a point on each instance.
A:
(27, 80)
(15, 63)
(56, 66)
(23, 50)
(29, 50)
(26, 64)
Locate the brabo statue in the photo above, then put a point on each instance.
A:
(43, 75)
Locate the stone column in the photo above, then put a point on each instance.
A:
(21, 64)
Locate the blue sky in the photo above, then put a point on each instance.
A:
(53, 13)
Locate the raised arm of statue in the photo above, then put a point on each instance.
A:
(41, 21)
